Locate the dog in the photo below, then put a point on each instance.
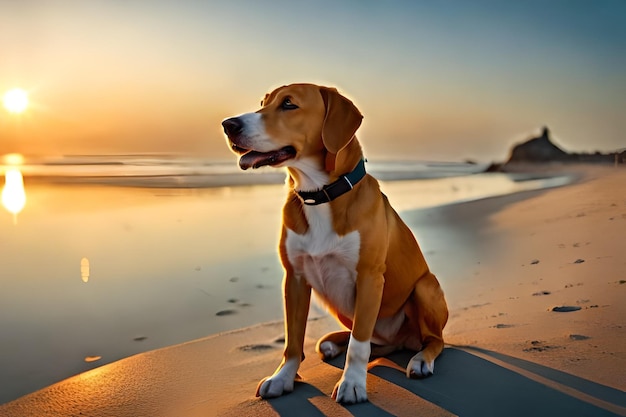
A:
(340, 238)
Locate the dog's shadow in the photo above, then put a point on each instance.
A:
(298, 403)
(468, 385)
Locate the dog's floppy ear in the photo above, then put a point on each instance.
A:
(341, 122)
(267, 95)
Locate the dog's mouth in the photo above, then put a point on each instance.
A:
(255, 159)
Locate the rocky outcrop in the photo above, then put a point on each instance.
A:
(541, 149)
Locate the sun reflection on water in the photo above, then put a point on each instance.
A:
(13, 193)
(84, 269)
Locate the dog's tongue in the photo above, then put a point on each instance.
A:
(254, 159)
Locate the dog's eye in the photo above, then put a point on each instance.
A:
(287, 104)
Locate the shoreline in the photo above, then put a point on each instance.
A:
(170, 171)
(500, 315)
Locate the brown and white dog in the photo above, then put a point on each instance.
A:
(341, 238)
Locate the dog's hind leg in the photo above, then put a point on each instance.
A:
(431, 315)
(333, 344)
(382, 350)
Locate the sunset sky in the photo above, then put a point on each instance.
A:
(437, 80)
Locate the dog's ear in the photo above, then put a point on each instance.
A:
(267, 95)
(341, 122)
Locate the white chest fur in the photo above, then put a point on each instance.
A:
(326, 260)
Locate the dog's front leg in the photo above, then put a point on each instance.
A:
(297, 295)
(352, 387)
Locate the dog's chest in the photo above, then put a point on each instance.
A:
(326, 260)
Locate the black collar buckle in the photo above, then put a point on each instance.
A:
(330, 192)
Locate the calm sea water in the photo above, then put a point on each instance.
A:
(105, 257)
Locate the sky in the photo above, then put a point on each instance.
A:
(435, 80)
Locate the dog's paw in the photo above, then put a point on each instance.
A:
(351, 388)
(419, 367)
(274, 386)
(281, 382)
(330, 350)
(350, 391)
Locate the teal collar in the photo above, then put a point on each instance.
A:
(330, 192)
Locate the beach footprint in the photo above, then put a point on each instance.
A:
(578, 337)
(566, 309)
(227, 312)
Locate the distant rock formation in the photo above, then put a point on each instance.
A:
(541, 149)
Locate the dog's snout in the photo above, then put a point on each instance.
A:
(232, 126)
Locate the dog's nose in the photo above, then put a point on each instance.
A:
(232, 126)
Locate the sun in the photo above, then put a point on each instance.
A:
(15, 100)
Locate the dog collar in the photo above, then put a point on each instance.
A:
(329, 192)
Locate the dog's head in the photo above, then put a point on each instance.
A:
(295, 122)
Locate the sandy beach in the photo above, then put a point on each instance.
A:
(535, 283)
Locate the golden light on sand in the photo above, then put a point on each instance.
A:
(13, 193)
(84, 269)
(15, 100)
